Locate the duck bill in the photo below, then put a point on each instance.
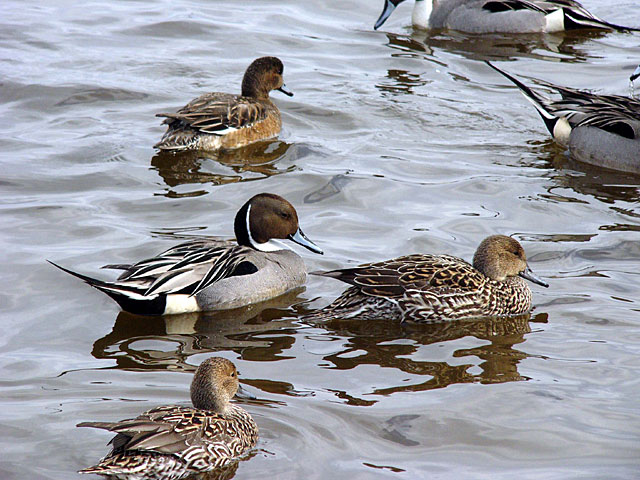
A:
(527, 274)
(243, 393)
(635, 74)
(389, 7)
(284, 90)
(301, 239)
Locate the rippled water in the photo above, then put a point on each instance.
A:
(395, 142)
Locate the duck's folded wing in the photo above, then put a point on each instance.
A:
(187, 268)
(613, 113)
(166, 430)
(218, 114)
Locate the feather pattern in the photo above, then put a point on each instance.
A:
(217, 120)
(432, 288)
(171, 442)
(507, 16)
(603, 130)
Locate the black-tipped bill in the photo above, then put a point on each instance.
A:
(301, 239)
(243, 393)
(389, 7)
(527, 274)
(284, 90)
(635, 74)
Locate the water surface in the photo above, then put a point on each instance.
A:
(395, 142)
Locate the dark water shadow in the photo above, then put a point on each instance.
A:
(607, 186)
(559, 47)
(166, 342)
(391, 344)
(253, 162)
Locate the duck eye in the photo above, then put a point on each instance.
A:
(285, 215)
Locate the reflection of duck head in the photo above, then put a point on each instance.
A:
(257, 160)
(156, 343)
(394, 345)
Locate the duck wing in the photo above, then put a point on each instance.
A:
(167, 430)
(217, 113)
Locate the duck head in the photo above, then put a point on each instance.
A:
(263, 75)
(500, 257)
(264, 219)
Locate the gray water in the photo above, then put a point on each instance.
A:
(395, 142)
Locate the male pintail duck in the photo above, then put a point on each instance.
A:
(501, 16)
(207, 274)
(427, 288)
(602, 130)
(217, 120)
(172, 442)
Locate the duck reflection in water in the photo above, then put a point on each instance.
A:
(265, 330)
(258, 160)
(392, 345)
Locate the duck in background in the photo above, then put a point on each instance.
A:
(501, 16)
(172, 442)
(602, 130)
(216, 121)
(426, 288)
(208, 274)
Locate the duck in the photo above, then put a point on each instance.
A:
(211, 274)
(172, 442)
(426, 288)
(601, 130)
(501, 16)
(224, 121)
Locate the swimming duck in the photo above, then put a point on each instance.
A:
(217, 120)
(602, 130)
(427, 288)
(504, 16)
(208, 274)
(172, 442)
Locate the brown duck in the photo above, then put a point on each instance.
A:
(172, 442)
(216, 120)
(427, 288)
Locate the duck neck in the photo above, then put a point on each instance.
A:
(421, 13)
(242, 229)
(251, 87)
(203, 398)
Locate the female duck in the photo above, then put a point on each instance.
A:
(602, 130)
(434, 288)
(172, 442)
(217, 120)
(207, 274)
(505, 16)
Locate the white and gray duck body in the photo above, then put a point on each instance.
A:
(501, 16)
(173, 442)
(426, 288)
(602, 130)
(209, 274)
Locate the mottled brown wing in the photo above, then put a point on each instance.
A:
(391, 278)
(165, 430)
(217, 113)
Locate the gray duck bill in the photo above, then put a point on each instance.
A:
(301, 239)
(527, 274)
(284, 90)
(389, 7)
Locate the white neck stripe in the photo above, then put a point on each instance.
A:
(271, 245)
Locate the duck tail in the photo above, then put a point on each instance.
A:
(538, 102)
(576, 19)
(129, 297)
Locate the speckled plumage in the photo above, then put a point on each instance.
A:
(219, 120)
(172, 442)
(431, 288)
